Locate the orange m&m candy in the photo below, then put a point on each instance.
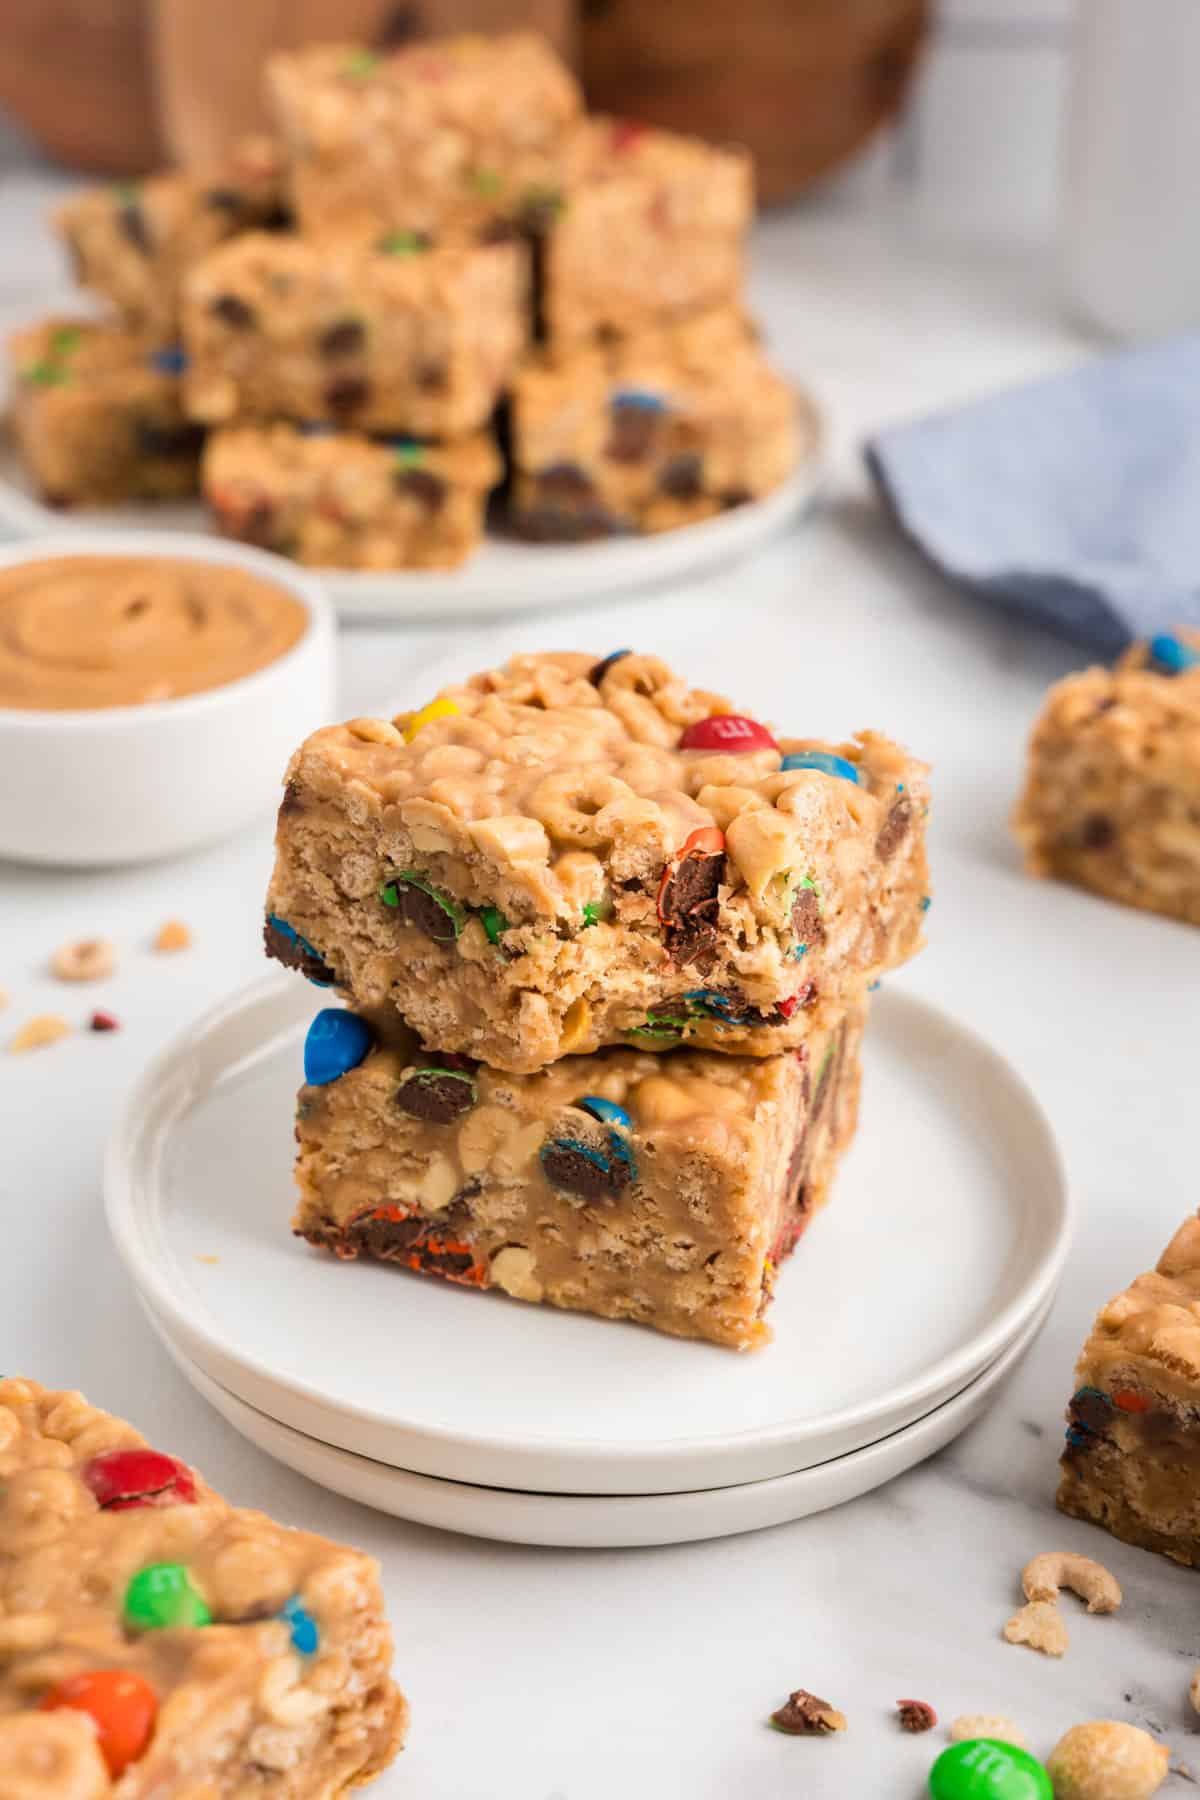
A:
(122, 1706)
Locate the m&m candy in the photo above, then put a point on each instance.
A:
(824, 761)
(162, 1595)
(437, 709)
(337, 1042)
(305, 1635)
(729, 732)
(986, 1769)
(1171, 656)
(122, 1707)
(124, 1479)
(607, 1111)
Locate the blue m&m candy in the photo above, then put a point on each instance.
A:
(1171, 656)
(337, 1042)
(824, 761)
(605, 1110)
(305, 1635)
(171, 360)
(986, 1769)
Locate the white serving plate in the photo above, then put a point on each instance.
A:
(599, 1521)
(944, 1239)
(504, 577)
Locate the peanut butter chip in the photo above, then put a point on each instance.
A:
(38, 1033)
(174, 935)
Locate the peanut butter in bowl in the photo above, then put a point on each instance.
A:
(97, 631)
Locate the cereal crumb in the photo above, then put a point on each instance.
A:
(804, 1715)
(208, 1259)
(103, 1021)
(1039, 1624)
(916, 1715)
(1107, 1760)
(83, 959)
(174, 935)
(987, 1725)
(38, 1033)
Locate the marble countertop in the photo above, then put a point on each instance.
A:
(551, 1675)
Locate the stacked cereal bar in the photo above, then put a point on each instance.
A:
(1133, 1424)
(547, 862)
(157, 1643)
(1112, 796)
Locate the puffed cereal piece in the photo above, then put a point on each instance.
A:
(577, 853)
(665, 1190)
(156, 1641)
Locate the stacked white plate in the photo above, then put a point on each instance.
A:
(907, 1304)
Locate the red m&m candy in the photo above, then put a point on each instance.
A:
(121, 1705)
(729, 732)
(123, 1479)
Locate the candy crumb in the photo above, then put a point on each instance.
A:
(103, 1021)
(174, 935)
(987, 1725)
(804, 1715)
(916, 1715)
(39, 1033)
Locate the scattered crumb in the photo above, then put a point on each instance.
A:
(1194, 1690)
(1183, 1772)
(83, 959)
(3, 998)
(208, 1259)
(38, 1033)
(174, 935)
(103, 1021)
(987, 1725)
(1040, 1626)
(803, 1715)
(916, 1715)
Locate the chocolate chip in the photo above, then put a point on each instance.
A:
(342, 339)
(226, 200)
(437, 1096)
(248, 524)
(806, 916)
(168, 440)
(736, 496)
(132, 221)
(499, 231)
(348, 394)
(565, 481)
(893, 830)
(431, 376)
(1091, 1409)
(690, 906)
(233, 311)
(552, 524)
(804, 1715)
(424, 486)
(1097, 832)
(432, 1246)
(634, 429)
(294, 953)
(568, 1167)
(683, 476)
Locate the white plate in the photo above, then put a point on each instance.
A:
(945, 1236)
(504, 577)
(591, 1521)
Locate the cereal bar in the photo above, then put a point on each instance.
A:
(647, 227)
(439, 134)
(651, 432)
(566, 853)
(157, 1643)
(418, 339)
(97, 416)
(348, 501)
(1132, 1456)
(133, 243)
(1112, 794)
(663, 1189)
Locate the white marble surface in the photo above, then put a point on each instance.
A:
(556, 1676)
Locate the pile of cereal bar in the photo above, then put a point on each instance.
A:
(437, 254)
(608, 946)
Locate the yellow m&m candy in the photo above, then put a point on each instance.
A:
(437, 709)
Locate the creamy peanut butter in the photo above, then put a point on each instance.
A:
(98, 631)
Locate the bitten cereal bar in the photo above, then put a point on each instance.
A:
(663, 1189)
(650, 432)
(420, 341)
(96, 414)
(157, 1643)
(1132, 1456)
(133, 244)
(566, 853)
(349, 501)
(432, 136)
(1112, 794)
(647, 227)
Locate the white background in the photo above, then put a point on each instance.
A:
(571, 1676)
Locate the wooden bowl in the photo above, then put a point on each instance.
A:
(76, 75)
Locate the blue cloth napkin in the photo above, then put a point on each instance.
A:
(1074, 501)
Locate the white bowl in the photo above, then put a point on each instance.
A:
(123, 784)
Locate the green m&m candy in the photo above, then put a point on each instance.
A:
(162, 1595)
(986, 1769)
